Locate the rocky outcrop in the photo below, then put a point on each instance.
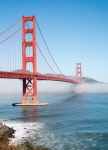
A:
(5, 130)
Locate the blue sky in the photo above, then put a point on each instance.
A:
(75, 31)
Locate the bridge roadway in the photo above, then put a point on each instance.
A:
(16, 75)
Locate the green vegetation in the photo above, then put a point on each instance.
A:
(6, 134)
(4, 145)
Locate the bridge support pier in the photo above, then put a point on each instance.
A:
(30, 90)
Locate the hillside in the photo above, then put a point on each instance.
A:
(90, 80)
(85, 79)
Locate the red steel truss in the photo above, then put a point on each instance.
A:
(15, 75)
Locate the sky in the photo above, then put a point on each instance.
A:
(74, 30)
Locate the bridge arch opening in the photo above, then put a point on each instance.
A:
(29, 51)
(28, 36)
(28, 24)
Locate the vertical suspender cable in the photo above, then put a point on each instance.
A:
(47, 46)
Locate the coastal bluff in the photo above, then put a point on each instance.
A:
(6, 131)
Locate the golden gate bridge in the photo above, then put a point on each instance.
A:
(19, 52)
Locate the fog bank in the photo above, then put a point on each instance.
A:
(92, 88)
(15, 86)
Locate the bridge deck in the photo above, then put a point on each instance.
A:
(16, 75)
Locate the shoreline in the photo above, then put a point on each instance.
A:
(6, 131)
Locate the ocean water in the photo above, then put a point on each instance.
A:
(69, 122)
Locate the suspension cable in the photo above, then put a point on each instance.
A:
(10, 36)
(47, 46)
(42, 54)
(10, 26)
(45, 59)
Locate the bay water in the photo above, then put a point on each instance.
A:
(69, 122)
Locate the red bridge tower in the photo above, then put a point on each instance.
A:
(29, 85)
(79, 72)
